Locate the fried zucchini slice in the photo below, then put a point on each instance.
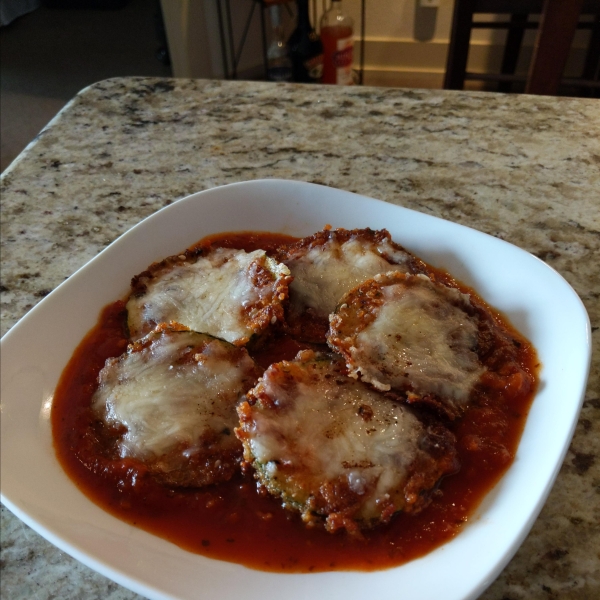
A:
(408, 334)
(227, 293)
(172, 398)
(336, 450)
(328, 264)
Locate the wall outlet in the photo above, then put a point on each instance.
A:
(429, 3)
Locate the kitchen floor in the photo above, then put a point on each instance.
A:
(50, 54)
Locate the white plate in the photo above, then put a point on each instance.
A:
(536, 299)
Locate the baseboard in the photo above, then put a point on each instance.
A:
(385, 59)
(403, 79)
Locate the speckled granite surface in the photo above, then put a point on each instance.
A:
(523, 168)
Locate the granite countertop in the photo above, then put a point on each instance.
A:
(525, 169)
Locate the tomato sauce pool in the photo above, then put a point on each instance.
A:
(236, 523)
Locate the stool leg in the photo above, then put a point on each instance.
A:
(263, 29)
(514, 39)
(458, 49)
(555, 35)
(591, 69)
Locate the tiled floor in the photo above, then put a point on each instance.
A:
(48, 55)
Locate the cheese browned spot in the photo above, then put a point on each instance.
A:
(330, 263)
(230, 294)
(335, 449)
(409, 334)
(173, 397)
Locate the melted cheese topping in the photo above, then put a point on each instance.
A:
(328, 427)
(421, 339)
(326, 272)
(168, 401)
(217, 294)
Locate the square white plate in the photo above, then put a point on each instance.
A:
(535, 298)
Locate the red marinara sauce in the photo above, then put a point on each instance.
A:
(232, 521)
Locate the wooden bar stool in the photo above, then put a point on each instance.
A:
(558, 21)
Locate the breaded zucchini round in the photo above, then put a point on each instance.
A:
(230, 294)
(408, 334)
(330, 263)
(336, 450)
(172, 398)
